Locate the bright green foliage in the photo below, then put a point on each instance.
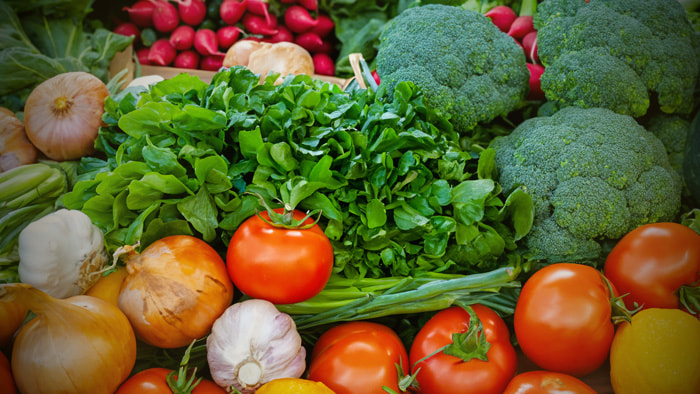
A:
(468, 70)
(594, 175)
(624, 55)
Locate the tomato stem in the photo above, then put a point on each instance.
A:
(689, 296)
(286, 218)
(619, 312)
(183, 384)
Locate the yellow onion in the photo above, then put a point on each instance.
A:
(174, 291)
(11, 315)
(15, 148)
(76, 345)
(63, 114)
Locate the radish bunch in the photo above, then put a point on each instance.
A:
(521, 28)
(197, 33)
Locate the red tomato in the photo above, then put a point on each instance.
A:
(358, 357)
(153, 381)
(277, 264)
(652, 262)
(444, 373)
(563, 319)
(547, 382)
(7, 382)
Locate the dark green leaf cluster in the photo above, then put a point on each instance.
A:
(594, 175)
(470, 72)
(397, 193)
(624, 55)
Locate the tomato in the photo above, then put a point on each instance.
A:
(444, 373)
(652, 262)
(7, 382)
(563, 319)
(279, 264)
(153, 381)
(547, 382)
(657, 352)
(358, 357)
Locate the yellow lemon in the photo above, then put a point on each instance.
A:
(294, 386)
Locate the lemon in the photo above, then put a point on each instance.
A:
(294, 386)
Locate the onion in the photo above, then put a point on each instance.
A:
(63, 114)
(175, 290)
(78, 345)
(15, 148)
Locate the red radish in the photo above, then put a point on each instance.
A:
(288, 1)
(521, 26)
(530, 46)
(161, 53)
(212, 62)
(323, 26)
(260, 7)
(323, 64)
(256, 24)
(128, 29)
(326, 47)
(141, 13)
(182, 38)
(520, 45)
(187, 59)
(192, 13)
(375, 75)
(311, 5)
(283, 34)
(142, 55)
(165, 16)
(309, 41)
(536, 72)
(231, 11)
(227, 35)
(298, 19)
(206, 43)
(502, 16)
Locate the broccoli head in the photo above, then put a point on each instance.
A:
(624, 55)
(468, 70)
(593, 175)
(672, 130)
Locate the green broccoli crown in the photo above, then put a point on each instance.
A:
(468, 70)
(593, 175)
(647, 44)
(672, 130)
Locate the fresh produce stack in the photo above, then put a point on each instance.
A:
(492, 212)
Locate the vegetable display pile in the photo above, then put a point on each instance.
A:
(499, 196)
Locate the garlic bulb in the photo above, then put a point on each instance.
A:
(253, 343)
(61, 253)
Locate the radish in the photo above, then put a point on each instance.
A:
(211, 62)
(502, 16)
(165, 16)
(227, 35)
(530, 46)
(326, 47)
(283, 34)
(193, 13)
(128, 29)
(256, 24)
(311, 5)
(536, 72)
(231, 11)
(260, 7)
(141, 13)
(161, 53)
(182, 38)
(298, 19)
(375, 75)
(309, 41)
(323, 64)
(206, 43)
(324, 25)
(187, 59)
(142, 55)
(521, 26)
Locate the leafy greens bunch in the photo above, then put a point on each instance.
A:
(397, 194)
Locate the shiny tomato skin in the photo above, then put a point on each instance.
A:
(547, 382)
(442, 373)
(153, 381)
(651, 262)
(280, 265)
(358, 358)
(563, 319)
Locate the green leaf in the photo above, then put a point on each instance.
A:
(375, 213)
(250, 142)
(201, 212)
(519, 207)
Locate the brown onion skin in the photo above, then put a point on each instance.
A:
(15, 148)
(63, 114)
(174, 291)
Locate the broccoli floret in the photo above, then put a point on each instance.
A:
(622, 55)
(593, 174)
(468, 70)
(672, 130)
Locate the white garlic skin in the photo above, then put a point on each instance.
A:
(253, 343)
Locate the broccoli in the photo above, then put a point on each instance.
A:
(593, 175)
(672, 130)
(469, 71)
(624, 55)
